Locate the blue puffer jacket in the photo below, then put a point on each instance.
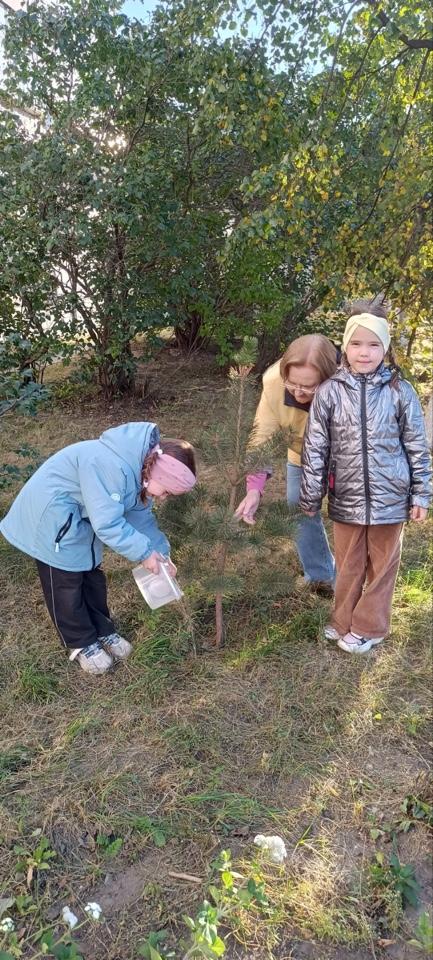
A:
(84, 496)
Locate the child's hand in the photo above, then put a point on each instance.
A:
(172, 569)
(152, 563)
(418, 513)
(248, 507)
(310, 513)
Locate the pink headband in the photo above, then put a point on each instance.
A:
(173, 475)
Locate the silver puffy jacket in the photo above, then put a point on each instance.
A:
(365, 443)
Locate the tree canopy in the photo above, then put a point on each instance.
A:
(225, 169)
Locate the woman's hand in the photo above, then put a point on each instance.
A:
(418, 513)
(248, 507)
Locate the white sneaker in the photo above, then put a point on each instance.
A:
(353, 643)
(116, 645)
(93, 659)
(330, 633)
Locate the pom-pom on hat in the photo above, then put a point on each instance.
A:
(377, 325)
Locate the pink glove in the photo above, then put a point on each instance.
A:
(257, 481)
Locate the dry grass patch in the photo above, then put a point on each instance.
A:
(174, 756)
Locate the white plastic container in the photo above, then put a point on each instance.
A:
(157, 588)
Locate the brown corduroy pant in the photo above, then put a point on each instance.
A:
(367, 560)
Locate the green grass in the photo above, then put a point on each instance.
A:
(13, 760)
(179, 753)
(34, 685)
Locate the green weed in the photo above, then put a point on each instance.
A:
(231, 896)
(37, 859)
(416, 586)
(414, 721)
(423, 938)
(13, 760)
(36, 686)
(394, 887)
(79, 726)
(157, 832)
(153, 947)
(109, 844)
(415, 811)
(226, 808)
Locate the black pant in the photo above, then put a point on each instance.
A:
(77, 604)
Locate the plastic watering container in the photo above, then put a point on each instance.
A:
(157, 588)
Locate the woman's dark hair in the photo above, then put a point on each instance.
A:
(179, 449)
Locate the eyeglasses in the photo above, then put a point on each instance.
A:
(293, 387)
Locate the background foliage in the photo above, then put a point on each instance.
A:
(225, 169)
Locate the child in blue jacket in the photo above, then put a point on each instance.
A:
(88, 494)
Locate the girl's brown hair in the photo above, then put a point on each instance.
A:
(377, 306)
(313, 349)
(179, 449)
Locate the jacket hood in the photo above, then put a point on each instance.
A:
(132, 442)
(382, 375)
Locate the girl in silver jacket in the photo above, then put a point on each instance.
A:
(365, 444)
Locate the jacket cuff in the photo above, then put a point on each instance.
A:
(417, 500)
(310, 507)
(144, 556)
(257, 481)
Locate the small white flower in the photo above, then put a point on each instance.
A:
(69, 918)
(7, 925)
(275, 846)
(94, 910)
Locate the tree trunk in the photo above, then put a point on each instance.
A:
(219, 621)
(219, 617)
(116, 374)
(272, 345)
(187, 335)
(269, 349)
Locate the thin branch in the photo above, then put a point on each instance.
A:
(415, 43)
(268, 23)
(334, 61)
(395, 148)
(354, 78)
(383, 66)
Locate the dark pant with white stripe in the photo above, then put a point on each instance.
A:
(77, 604)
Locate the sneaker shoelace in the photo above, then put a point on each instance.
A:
(112, 638)
(356, 640)
(90, 651)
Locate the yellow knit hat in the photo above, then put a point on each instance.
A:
(377, 325)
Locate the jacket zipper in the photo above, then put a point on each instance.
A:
(332, 477)
(62, 532)
(92, 545)
(364, 449)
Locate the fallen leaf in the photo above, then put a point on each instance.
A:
(240, 831)
(5, 904)
(86, 840)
